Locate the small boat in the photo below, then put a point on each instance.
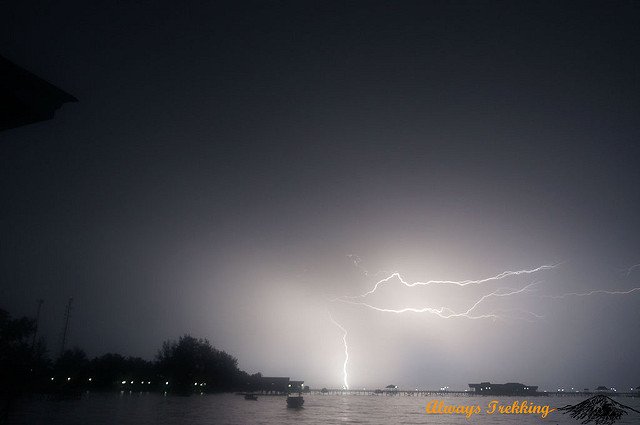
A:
(251, 397)
(294, 401)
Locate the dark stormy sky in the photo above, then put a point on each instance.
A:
(225, 158)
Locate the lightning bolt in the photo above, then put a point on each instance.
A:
(442, 312)
(632, 268)
(594, 292)
(499, 276)
(445, 312)
(470, 313)
(346, 351)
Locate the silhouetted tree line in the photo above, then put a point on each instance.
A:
(184, 366)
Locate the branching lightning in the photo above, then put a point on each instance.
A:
(594, 292)
(442, 312)
(500, 276)
(632, 268)
(628, 271)
(446, 312)
(346, 352)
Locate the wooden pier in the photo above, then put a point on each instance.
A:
(450, 393)
(389, 392)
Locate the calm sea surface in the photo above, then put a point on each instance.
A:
(145, 408)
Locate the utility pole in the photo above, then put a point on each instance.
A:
(35, 330)
(67, 317)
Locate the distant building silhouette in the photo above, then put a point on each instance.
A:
(510, 388)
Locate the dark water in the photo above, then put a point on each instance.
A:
(145, 408)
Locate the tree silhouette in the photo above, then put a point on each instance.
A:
(183, 366)
(21, 361)
(109, 370)
(194, 364)
(72, 363)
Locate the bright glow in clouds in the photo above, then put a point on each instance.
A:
(445, 312)
(346, 352)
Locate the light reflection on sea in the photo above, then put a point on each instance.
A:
(145, 408)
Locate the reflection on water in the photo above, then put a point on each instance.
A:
(145, 408)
